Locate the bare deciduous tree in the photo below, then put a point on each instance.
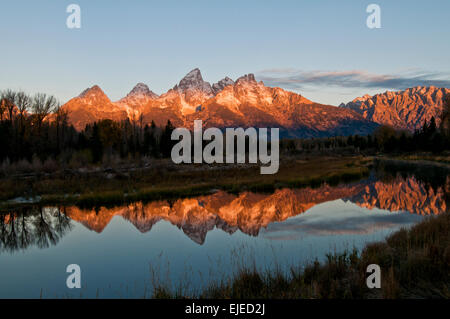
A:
(42, 106)
(23, 102)
(9, 100)
(2, 107)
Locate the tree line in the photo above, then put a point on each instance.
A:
(385, 139)
(37, 128)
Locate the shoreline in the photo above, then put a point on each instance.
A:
(112, 187)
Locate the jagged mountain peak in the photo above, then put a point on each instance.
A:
(219, 86)
(92, 91)
(247, 78)
(407, 109)
(92, 105)
(246, 102)
(193, 81)
(194, 73)
(141, 89)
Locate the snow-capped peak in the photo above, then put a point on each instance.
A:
(248, 78)
(142, 89)
(92, 91)
(219, 86)
(194, 81)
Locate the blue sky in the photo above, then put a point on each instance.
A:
(321, 49)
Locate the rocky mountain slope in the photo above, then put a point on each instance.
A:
(407, 109)
(91, 105)
(139, 96)
(227, 103)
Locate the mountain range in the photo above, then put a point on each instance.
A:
(250, 212)
(407, 109)
(248, 103)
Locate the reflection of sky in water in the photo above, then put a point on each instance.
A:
(337, 218)
(117, 260)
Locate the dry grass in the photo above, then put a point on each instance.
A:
(414, 263)
(163, 179)
(441, 158)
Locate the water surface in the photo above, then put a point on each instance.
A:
(122, 251)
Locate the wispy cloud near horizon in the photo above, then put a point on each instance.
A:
(296, 79)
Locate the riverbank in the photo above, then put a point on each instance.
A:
(415, 263)
(164, 180)
(443, 158)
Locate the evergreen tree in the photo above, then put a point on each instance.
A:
(96, 144)
(166, 141)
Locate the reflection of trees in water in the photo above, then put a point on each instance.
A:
(37, 226)
(433, 176)
(391, 187)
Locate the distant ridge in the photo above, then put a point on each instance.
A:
(248, 103)
(408, 109)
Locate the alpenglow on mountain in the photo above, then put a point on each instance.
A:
(408, 109)
(243, 102)
(250, 212)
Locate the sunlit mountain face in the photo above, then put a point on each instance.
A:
(246, 102)
(408, 109)
(227, 103)
(247, 212)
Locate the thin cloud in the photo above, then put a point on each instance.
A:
(294, 79)
(356, 223)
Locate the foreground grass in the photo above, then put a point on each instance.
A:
(414, 263)
(443, 158)
(165, 180)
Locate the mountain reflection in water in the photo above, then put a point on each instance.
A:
(247, 212)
